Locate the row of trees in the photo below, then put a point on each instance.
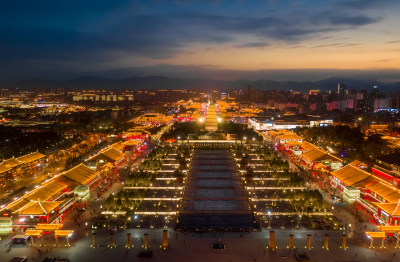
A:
(347, 141)
(196, 129)
(123, 200)
(301, 200)
(143, 177)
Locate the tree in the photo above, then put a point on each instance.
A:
(249, 175)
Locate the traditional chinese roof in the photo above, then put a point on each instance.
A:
(140, 129)
(63, 233)
(376, 234)
(367, 182)
(80, 174)
(4, 168)
(319, 155)
(131, 142)
(358, 164)
(294, 143)
(48, 227)
(43, 193)
(307, 146)
(109, 155)
(38, 208)
(33, 232)
(351, 175)
(388, 192)
(389, 229)
(8, 164)
(12, 162)
(290, 135)
(118, 146)
(392, 209)
(30, 157)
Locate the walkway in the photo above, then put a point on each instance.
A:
(214, 197)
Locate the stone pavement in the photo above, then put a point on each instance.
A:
(196, 247)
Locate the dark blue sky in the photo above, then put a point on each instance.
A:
(276, 39)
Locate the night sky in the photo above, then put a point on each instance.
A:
(275, 39)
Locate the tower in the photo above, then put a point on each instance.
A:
(341, 88)
(249, 93)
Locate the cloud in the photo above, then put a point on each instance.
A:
(364, 4)
(326, 45)
(384, 60)
(351, 20)
(191, 71)
(252, 44)
(73, 43)
(393, 42)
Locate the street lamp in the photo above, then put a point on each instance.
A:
(269, 219)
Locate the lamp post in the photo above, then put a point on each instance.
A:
(269, 219)
(243, 138)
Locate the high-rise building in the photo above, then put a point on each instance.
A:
(249, 93)
(341, 88)
(397, 99)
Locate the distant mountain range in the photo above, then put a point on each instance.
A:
(160, 82)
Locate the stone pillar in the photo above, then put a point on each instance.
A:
(344, 246)
(164, 245)
(372, 243)
(308, 241)
(271, 244)
(111, 245)
(398, 240)
(291, 246)
(146, 241)
(326, 243)
(56, 241)
(383, 243)
(94, 244)
(41, 240)
(129, 242)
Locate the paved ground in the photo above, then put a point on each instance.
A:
(214, 197)
(196, 247)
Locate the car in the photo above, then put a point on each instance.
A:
(20, 239)
(19, 259)
(218, 246)
(55, 259)
(147, 253)
(301, 256)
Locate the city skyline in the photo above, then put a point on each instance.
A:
(229, 40)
